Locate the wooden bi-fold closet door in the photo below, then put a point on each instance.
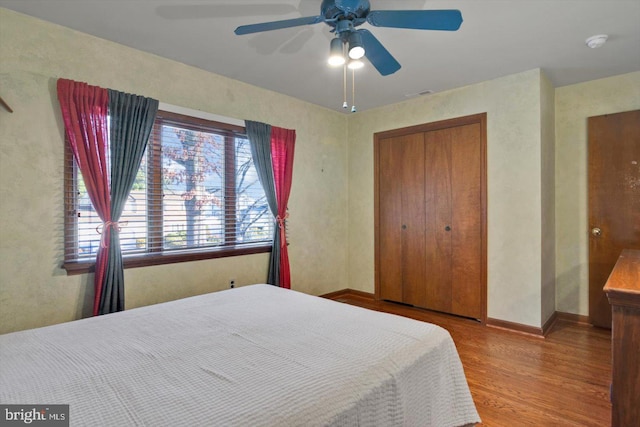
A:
(431, 216)
(402, 242)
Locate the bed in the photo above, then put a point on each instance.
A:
(251, 356)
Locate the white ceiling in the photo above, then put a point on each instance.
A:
(497, 38)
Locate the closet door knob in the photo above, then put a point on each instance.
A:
(447, 228)
(404, 227)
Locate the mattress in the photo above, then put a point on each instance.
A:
(250, 356)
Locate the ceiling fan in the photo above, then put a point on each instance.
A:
(345, 15)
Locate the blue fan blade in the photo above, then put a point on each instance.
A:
(380, 57)
(351, 6)
(446, 20)
(277, 25)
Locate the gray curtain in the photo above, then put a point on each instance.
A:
(260, 140)
(132, 120)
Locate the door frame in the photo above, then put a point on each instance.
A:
(480, 119)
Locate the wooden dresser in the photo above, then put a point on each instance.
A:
(623, 292)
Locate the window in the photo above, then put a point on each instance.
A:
(196, 196)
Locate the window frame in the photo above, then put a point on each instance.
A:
(155, 255)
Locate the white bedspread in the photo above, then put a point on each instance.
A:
(251, 356)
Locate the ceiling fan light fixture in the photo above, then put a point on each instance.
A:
(356, 47)
(336, 53)
(356, 52)
(348, 45)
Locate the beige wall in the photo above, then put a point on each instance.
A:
(513, 107)
(34, 291)
(574, 104)
(547, 176)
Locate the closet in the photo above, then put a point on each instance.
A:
(430, 216)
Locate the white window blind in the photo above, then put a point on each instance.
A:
(196, 191)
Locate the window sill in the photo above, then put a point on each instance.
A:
(149, 259)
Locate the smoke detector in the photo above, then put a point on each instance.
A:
(596, 41)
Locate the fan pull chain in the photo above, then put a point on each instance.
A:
(344, 78)
(353, 90)
(344, 87)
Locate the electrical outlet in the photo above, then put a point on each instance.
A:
(232, 283)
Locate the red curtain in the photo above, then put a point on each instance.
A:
(282, 149)
(85, 111)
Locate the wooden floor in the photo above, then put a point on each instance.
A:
(522, 380)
